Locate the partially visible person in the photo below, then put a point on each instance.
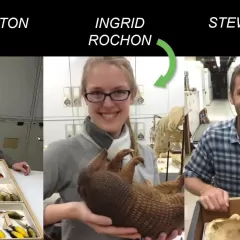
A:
(213, 172)
(17, 166)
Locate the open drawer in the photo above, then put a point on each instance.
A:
(4, 170)
(19, 216)
(8, 191)
(8, 184)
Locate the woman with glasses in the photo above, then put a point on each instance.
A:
(109, 88)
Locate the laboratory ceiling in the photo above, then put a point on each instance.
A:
(210, 63)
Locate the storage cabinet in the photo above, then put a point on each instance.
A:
(13, 137)
(21, 96)
(147, 73)
(38, 109)
(56, 130)
(35, 147)
(56, 87)
(192, 104)
(17, 83)
(23, 141)
(208, 87)
(197, 80)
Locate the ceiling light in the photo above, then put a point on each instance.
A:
(218, 61)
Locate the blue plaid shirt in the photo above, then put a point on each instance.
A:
(216, 160)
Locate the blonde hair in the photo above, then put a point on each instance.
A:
(123, 64)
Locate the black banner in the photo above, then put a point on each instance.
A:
(93, 35)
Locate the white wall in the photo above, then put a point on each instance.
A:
(207, 78)
(200, 79)
(61, 72)
(208, 86)
(196, 79)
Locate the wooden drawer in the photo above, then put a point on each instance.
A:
(8, 185)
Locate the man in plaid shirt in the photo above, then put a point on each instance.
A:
(213, 172)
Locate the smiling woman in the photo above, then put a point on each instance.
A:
(109, 101)
(108, 87)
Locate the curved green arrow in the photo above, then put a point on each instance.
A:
(163, 80)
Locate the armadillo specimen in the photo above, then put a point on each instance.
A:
(110, 191)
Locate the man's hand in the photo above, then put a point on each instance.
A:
(214, 199)
(100, 224)
(22, 167)
(163, 236)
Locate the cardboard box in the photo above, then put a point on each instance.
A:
(202, 216)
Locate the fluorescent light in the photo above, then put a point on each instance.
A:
(218, 61)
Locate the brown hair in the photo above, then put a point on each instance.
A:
(123, 64)
(235, 74)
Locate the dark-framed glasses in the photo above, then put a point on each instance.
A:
(97, 96)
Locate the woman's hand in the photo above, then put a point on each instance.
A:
(163, 236)
(100, 224)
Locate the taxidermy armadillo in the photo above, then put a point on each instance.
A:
(110, 191)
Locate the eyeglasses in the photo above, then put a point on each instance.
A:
(96, 97)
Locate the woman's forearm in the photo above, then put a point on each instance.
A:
(54, 213)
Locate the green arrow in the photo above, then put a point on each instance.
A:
(163, 80)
